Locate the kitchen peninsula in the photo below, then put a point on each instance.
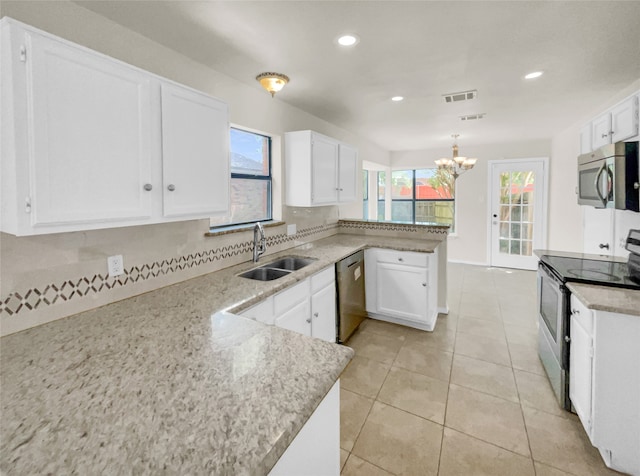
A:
(164, 381)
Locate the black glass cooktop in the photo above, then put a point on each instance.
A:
(579, 270)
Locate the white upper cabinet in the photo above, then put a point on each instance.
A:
(319, 170)
(90, 125)
(601, 131)
(87, 141)
(585, 139)
(624, 120)
(617, 124)
(324, 163)
(195, 154)
(348, 165)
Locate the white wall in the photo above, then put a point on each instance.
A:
(469, 244)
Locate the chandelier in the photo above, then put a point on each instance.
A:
(272, 82)
(456, 166)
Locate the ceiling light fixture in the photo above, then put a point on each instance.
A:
(533, 75)
(348, 40)
(397, 98)
(272, 82)
(456, 166)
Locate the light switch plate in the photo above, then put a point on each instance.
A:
(291, 229)
(115, 265)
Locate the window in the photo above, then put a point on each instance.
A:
(423, 195)
(382, 185)
(365, 194)
(250, 156)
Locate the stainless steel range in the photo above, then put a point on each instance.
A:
(553, 308)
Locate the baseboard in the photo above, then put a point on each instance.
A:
(423, 326)
(443, 310)
(473, 263)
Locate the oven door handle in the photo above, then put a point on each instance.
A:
(597, 185)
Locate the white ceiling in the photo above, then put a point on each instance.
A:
(421, 50)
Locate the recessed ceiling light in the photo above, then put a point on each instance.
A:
(397, 98)
(533, 75)
(348, 40)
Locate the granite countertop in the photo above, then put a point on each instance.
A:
(606, 298)
(166, 383)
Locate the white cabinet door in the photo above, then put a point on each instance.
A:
(402, 291)
(624, 120)
(91, 132)
(585, 139)
(580, 377)
(323, 313)
(324, 170)
(195, 157)
(347, 173)
(598, 230)
(601, 131)
(296, 319)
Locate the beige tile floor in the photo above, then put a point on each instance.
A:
(470, 398)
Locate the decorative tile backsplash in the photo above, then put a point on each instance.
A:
(56, 293)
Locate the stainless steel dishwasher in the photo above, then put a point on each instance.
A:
(351, 297)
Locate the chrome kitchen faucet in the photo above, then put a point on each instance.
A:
(259, 247)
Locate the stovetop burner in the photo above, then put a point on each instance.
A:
(588, 271)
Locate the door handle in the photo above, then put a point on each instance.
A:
(495, 215)
(597, 185)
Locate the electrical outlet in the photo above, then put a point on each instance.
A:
(291, 229)
(115, 264)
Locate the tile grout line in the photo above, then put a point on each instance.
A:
(515, 380)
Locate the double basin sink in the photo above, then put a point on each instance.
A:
(277, 269)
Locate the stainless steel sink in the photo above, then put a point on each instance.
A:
(264, 274)
(290, 263)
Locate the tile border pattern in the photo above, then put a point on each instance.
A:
(57, 293)
(405, 227)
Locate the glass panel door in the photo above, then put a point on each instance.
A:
(517, 219)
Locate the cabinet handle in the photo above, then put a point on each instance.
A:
(315, 314)
(424, 285)
(567, 339)
(401, 259)
(575, 311)
(636, 185)
(309, 321)
(148, 187)
(603, 246)
(171, 187)
(342, 189)
(604, 136)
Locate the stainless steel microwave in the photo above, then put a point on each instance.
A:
(608, 177)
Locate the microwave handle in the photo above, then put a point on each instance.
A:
(597, 185)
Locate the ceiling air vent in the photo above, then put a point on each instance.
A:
(461, 96)
(473, 117)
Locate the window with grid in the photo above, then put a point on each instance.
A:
(382, 185)
(423, 196)
(250, 201)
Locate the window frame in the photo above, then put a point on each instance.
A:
(266, 178)
(415, 200)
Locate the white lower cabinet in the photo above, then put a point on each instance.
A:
(315, 451)
(401, 287)
(308, 307)
(604, 383)
(296, 319)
